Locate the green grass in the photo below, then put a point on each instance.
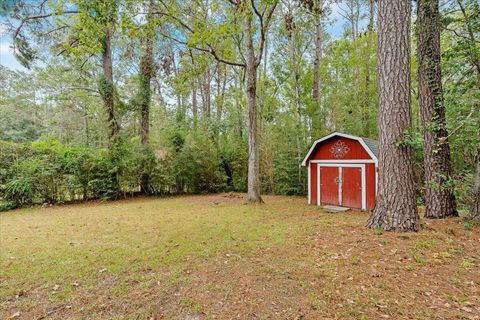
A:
(80, 243)
(208, 255)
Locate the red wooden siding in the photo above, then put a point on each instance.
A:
(370, 172)
(313, 183)
(352, 187)
(322, 151)
(329, 185)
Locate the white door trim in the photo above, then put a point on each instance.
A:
(340, 185)
(343, 165)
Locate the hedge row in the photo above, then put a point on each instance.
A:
(49, 172)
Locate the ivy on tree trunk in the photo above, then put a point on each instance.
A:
(439, 196)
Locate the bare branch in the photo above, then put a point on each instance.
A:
(263, 31)
(210, 50)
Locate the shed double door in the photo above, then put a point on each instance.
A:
(341, 186)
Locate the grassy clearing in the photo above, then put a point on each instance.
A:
(205, 257)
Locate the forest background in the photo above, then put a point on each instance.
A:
(171, 116)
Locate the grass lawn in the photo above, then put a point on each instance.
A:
(213, 257)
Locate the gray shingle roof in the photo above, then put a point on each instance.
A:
(372, 145)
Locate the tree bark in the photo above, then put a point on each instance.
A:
(475, 210)
(107, 89)
(220, 99)
(317, 82)
(253, 192)
(205, 91)
(194, 103)
(250, 63)
(145, 79)
(396, 206)
(366, 95)
(439, 198)
(371, 15)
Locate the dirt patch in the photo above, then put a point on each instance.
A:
(215, 199)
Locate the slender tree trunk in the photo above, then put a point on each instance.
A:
(205, 90)
(439, 197)
(238, 107)
(475, 211)
(366, 93)
(180, 110)
(107, 89)
(371, 15)
(295, 57)
(396, 206)
(145, 79)
(317, 81)
(194, 95)
(221, 85)
(160, 100)
(250, 92)
(194, 103)
(86, 125)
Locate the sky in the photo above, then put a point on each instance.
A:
(6, 54)
(335, 29)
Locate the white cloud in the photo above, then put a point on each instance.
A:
(5, 48)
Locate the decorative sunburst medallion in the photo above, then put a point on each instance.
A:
(339, 149)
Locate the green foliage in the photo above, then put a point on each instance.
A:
(197, 165)
(204, 150)
(47, 171)
(50, 172)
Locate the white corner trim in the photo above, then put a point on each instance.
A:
(339, 134)
(364, 189)
(318, 184)
(309, 181)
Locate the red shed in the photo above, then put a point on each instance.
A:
(342, 171)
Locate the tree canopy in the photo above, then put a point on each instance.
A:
(186, 96)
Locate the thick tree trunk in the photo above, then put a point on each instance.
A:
(145, 79)
(250, 92)
(107, 90)
(396, 206)
(439, 197)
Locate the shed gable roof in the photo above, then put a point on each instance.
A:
(371, 146)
